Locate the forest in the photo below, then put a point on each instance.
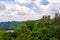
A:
(46, 28)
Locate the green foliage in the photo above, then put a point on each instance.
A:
(45, 28)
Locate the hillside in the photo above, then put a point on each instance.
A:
(45, 28)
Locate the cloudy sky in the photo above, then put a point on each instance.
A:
(21, 10)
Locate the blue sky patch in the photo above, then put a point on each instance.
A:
(44, 2)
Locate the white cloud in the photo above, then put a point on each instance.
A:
(16, 12)
(9, 15)
(23, 1)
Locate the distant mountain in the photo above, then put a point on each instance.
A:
(8, 25)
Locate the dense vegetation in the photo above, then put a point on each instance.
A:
(45, 28)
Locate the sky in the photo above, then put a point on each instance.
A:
(22, 10)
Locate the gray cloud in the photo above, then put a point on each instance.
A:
(2, 6)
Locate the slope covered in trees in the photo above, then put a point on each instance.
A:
(45, 28)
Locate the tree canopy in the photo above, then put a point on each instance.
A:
(45, 28)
